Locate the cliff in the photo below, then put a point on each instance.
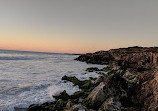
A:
(141, 66)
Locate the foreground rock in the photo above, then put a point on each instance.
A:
(140, 65)
(131, 83)
(110, 105)
(113, 86)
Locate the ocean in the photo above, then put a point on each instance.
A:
(33, 77)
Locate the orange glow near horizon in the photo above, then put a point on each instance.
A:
(55, 43)
(82, 26)
(56, 46)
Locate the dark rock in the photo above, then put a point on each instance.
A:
(97, 58)
(82, 84)
(59, 106)
(63, 95)
(114, 86)
(106, 69)
(99, 80)
(81, 94)
(91, 69)
(34, 107)
(91, 78)
(73, 79)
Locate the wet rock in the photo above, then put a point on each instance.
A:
(63, 95)
(59, 106)
(81, 94)
(78, 94)
(34, 107)
(91, 69)
(72, 79)
(19, 109)
(91, 78)
(82, 84)
(86, 84)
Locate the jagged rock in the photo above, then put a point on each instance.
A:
(99, 80)
(142, 60)
(96, 97)
(63, 95)
(114, 86)
(110, 105)
(120, 91)
(148, 94)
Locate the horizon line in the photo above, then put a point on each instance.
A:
(39, 51)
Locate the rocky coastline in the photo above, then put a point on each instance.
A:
(128, 83)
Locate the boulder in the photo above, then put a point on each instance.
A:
(113, 86)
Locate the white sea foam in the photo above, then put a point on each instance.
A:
(55, 90)
(34, 80)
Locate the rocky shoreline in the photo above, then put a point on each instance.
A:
(131, 83)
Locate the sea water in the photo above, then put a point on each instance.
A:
(33, 77)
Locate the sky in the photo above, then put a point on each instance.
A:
(77, 26)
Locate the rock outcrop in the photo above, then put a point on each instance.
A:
(113, 86)
(140, 66)
(128, 83)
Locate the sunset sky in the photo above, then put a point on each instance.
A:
(77, 26)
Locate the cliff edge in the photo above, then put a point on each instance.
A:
(136, 88)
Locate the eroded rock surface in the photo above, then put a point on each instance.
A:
(141, 66)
